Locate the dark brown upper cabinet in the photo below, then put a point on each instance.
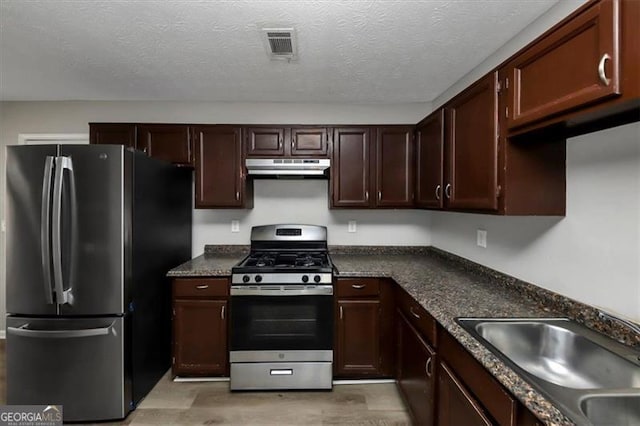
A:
(265, 141)
(350, 177)
(394, 166)
(169, 142)
(220, 177)
(430, 161)
(575, 65)
(472, 147)
(370, 174)
(309, 141)
(287, 141)
(113, 134)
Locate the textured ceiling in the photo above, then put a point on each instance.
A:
(349, 51)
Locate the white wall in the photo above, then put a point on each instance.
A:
(592, 254)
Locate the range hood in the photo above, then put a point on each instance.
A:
(288, 167)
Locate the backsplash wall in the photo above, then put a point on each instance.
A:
(306, 201)
(592, 254)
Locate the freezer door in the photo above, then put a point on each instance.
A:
(29, 267)
(77, 363)
(89, 229)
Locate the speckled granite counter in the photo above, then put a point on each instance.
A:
(447, 287)
(216, 261)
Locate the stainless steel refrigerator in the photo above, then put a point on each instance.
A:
(91, 232)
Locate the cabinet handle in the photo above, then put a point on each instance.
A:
(293, 144)
(358, 286)
(428, 368)
(341, 313)
(144, 150)
(202, 287)
(379, 195)
(280, 144)
(601, 71)
(366, 195)
(447, 191)
(438, 192)
(237, 195)
(222, 311)
(413, 312)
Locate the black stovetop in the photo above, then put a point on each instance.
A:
(284, 261)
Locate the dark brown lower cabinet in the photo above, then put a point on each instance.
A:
(456, 406)
(200, 308)
(416, 373)
(358, 338)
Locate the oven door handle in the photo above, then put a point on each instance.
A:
(319, 290)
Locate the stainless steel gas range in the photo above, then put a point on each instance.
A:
(281, 311)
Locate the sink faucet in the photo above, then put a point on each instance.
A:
(631, 325)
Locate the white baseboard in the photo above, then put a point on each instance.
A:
(200, 379)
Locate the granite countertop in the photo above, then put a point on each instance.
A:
(447, 286)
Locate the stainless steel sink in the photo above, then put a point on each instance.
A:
(585, 373)
(606, 410)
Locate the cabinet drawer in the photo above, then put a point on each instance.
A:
(347, 287)
(486, 389)
(201, 287)
(418, 316)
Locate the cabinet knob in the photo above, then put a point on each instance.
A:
(601, 71)
(438, 192)
(447, 191)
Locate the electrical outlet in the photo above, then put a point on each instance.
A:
(481, 238)
(235, 226)
(352, 226)
(3, 226)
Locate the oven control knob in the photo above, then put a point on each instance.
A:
(258, 278)
(305, 278)
(317, 278)
(246, 278)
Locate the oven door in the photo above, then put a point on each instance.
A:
(275, 322)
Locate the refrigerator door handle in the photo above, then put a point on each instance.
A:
(25, 331)
(63, 163)
(45, 230)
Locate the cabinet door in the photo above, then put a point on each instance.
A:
(219, 177)
(200, 337)
(169, 142)
(350, 167)
(306, 141)
(472, 181)
(265, 141)
(394, 167)
(430, 161)
(416, 373)
(358, 352)
(576, 64)
(113, 134)
(455, 405)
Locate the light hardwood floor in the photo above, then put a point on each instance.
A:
(211, 403)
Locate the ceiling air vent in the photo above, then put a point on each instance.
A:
(280, 42)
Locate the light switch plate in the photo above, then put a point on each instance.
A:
(481, 238)
(235, 226)
(352, 226)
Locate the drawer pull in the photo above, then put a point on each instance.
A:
(282, 372)
(601, 71)
(358, 286)
(202, 287)
(428, 367)
(414, 312)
